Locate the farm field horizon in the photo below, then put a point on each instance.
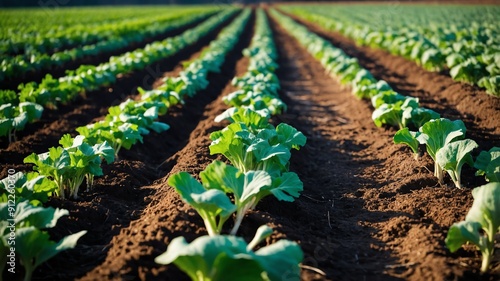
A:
(279, 141)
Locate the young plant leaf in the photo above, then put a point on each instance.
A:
(481, 223)
(211, 204)
(418, 116)
(35, 247)
(220, 257)
(405, 136)
(488, 164)
(437, 133)
(454, 155)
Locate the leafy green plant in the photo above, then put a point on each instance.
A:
(262, 149)
(248, 188)
(392, 114)
(470, 71)
(491, 84)
(437, 133)
(14, 118)
(405, 136)
(418, 116)
(254, 120)
(488, 164)
(368, 90)
(143, 114)
(452, 156)
(32, 244)
(68, 165)
(481, 223)
(118, 134)
(220, 257)
(31, 186)
(207, 198)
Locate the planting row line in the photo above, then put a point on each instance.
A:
(128, 33)
(34, 21)
(20, 39)
(63, 169)
(19, 109)
(470, 50)
(443, 138)
(259, 154)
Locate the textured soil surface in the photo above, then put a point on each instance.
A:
(368, 211)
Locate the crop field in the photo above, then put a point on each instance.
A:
(261, 142)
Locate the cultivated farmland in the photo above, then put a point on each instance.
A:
(260, 142)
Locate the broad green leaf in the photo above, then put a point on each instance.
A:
(488, 164)
(185, 185)
(255, 182)
(104, 150)
(35, 247)
(481, 223)
(224, 177)
(418, 116)
(405, 136)
(454, 155)
(159, 127)
(290, 137)
(463, 232)
(264, 151)
(20, 121)
(214, 202)
(212, 205)
(214, 258)
(287, 187)
(39, 217)
(6, 126)
(486, 206)
(33, 110)
(219, 258)
(281, 260)
(439, 132)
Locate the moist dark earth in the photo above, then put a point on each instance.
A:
(368, 211)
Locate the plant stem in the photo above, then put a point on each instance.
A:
(490, 247)
(210, 228)
(239, 218)
(485, 264)
(438, 172)
(28, 272)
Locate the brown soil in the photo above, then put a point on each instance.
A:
(369, 211)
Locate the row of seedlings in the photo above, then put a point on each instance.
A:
(19, 109)
(472, 56)
(131, 32)
(259, 154)
(443, 138)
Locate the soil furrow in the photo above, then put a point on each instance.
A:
(45, 133)
(454, 100)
